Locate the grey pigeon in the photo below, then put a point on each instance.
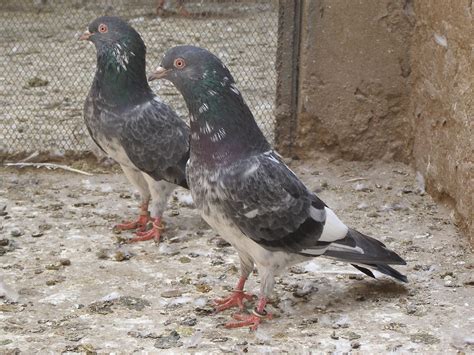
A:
(248, 195)
(131, 124)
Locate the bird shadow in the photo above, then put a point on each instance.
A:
(352, 295)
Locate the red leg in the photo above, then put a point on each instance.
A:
(236, 299)
(140, 223)
(153, 233)
(253, 320)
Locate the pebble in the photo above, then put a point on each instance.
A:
(168, 341)
(203, 288)
(65, 262)
(54, 267)
(184, 260)
(37, 234)
(373, 214)
(219, 339)
(362, 187)
(3, 211)
(171, 293)
(16, 233)
(350, 336)
(4, 242)
(203, 311)
(355, 344)
(122, 256)
(334, 336)
(102, 254)
(424, 338)
(188, 321)
(411, 308)
(221, 243)
(44, 227)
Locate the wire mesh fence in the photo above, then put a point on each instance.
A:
(45, 72)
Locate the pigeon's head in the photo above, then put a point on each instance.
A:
(191, 68)
(107, 32)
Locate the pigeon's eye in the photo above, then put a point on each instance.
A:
(179, 63)
(103, 28)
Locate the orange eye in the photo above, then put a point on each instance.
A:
(179, 63)
(103, 28)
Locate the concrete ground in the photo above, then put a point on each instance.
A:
(69, 284)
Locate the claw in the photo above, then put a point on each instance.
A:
(153, 233)
(244, 320)
(236, 299)
(139, 224)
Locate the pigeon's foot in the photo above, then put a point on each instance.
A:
(139, 224)
(236, 299)
(153, 233)
(248, 320)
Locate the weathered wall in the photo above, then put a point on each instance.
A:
(353, 70)
(387, 79)
(442, 103)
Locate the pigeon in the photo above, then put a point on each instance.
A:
(132, 125)
(181, 10)
(246, 192)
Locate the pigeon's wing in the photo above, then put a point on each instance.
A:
(270, 205)
(157, 141)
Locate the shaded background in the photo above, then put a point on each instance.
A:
(46, 72)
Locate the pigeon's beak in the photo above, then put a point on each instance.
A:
(159, 73)
(85, 36)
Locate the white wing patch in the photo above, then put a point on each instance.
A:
(333, 229)
(251, 214)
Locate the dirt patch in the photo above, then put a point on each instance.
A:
(64, 291)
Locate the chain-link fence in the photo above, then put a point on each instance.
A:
(45, 72)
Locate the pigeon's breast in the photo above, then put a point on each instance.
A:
(105, 127)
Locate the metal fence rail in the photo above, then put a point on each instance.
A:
(45, 73)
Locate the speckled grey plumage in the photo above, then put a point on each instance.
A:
(128, 122)
(244, 189)
(124, 117)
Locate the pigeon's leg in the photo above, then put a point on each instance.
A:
(259, 313)
(160, 193)
(136, 178)
(238, 296)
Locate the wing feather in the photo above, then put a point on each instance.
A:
(156, 140)
(270, 205)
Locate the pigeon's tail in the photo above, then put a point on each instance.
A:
(366, 253)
